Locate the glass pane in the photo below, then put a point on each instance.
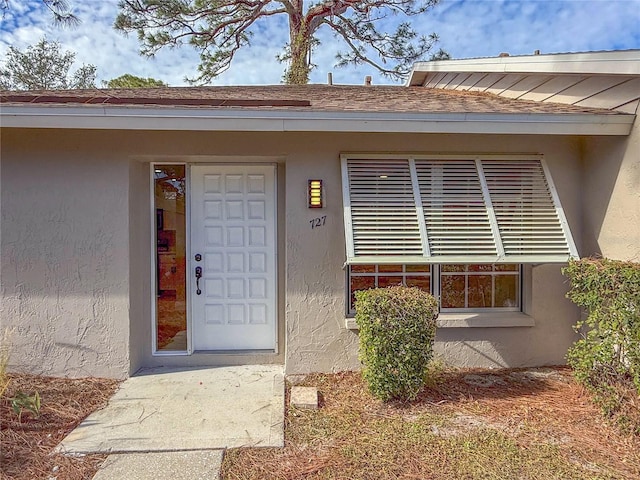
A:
(506, 267)
(389, 281)
(453, 268)
(171, 304)
(390, 268)
(506, 291)
(418, 268)
(363, 268)
(481, 267)
(452, 294)
(360, 283)
(423, 283)
(479, 294)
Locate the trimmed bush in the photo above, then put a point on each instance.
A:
(606, 359)
(397, 330)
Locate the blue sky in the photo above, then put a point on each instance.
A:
(467, 28)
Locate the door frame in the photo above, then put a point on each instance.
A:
(188, 277)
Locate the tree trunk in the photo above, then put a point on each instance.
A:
(300, 44)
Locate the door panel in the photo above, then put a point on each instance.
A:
(233, 229)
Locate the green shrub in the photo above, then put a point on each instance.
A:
(606, 359)
(397, 329)
(30, 403)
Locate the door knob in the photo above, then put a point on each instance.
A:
(198, 277)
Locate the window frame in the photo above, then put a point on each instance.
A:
(376, 274)
(434, 275)
(493, 273)
(153, 216)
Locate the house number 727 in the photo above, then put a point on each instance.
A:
(318, 222)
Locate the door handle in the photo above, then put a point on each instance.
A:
(198, 277)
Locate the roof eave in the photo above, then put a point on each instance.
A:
(588, 63)
(164, 119)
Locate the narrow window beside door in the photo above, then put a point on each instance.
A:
(170, 241)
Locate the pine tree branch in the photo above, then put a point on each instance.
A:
(359, 56)
(218, 28)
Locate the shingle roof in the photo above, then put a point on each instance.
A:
(330, 98)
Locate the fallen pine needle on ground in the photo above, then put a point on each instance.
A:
(520, 424)
(485, 424)
(27, 440)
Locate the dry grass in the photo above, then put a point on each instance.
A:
(520, 426)
(26, 445)
(627, 412)
(171, 320)
(5, 353)
(167, 331)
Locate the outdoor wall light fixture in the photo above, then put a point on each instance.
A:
(314, 194)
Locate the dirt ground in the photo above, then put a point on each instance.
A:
(471, 424)
(515, 411)
(27, 441)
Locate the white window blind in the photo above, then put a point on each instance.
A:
(455, 209)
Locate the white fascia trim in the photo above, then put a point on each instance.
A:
(125, 118)
(593, 63)
(462, 259)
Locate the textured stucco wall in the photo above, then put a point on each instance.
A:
(64, 258)
(316, 336)
(544, 344)
(96, 193)
(611, 196)
(140, 265)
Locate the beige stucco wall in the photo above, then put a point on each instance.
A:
(65, 256)
(611, 196)
(140, 242)
(317, 338)
(92, 216)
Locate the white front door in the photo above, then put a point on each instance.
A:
(233, 242)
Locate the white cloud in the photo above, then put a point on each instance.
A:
(471, 28)
(486, 28)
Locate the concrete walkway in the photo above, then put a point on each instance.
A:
(194, 465)
(185, 418)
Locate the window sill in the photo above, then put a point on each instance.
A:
(473, 320)
(485, 320)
